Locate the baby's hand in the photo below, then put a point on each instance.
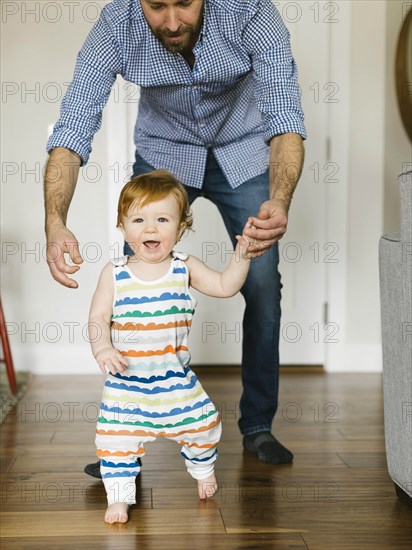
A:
(242, 248)
(244, 245)
(110, 359)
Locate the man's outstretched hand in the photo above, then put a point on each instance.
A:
(61, 241)
(267, 228)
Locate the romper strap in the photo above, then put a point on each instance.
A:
(180, 255)
(119, 262)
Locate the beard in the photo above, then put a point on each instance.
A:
(188, 35)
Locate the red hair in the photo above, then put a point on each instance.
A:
(151, 187)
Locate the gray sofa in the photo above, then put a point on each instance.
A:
(395, 267)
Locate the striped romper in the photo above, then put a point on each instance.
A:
(157, 395)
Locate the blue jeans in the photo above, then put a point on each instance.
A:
(262, 293)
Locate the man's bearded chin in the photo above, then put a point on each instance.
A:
(189, 32)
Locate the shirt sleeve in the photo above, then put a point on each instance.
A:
(274, 71)
(98, 63)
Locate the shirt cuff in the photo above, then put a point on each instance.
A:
(69, 141)
(284, 125)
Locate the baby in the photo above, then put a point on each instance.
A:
(139, 323)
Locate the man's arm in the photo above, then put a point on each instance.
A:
(285, 167)
(278, 98)
(60, 180)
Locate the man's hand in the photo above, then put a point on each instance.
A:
(61, 241)
(267, 228)
(60, 179)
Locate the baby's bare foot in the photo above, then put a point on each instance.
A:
(207, 487)
(117, 513)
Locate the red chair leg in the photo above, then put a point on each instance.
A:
(7, 353)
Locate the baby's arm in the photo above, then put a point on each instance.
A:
(100, 315)
(225, 284)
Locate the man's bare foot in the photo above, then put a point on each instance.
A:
(117, 513)
(207, 487)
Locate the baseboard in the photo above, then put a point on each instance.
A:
(300, 369)
(284, 369)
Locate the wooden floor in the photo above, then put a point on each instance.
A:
(336, 495)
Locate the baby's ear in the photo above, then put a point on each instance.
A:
(182, 228)
(121, 228)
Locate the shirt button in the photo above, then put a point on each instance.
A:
(202, 124)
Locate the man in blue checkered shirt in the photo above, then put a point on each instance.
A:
(219, 108)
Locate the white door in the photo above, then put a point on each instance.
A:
(217, 328)
(304, 252)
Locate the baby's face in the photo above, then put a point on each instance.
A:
(152, 231)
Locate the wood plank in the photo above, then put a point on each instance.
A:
(6, 462)
(67, 523)
(62, 494)
(227, 446)
(273, 517)
(258, 541)
(54, 450)
(300, 494)
(65, 489)
(352, 540)
(353, 432)
(364, 460)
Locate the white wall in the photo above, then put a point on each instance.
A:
(369, 142)
(366, 183)
(38, 54)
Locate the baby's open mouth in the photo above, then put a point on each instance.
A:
(151, 244)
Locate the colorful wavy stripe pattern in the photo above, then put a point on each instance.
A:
(158, 395)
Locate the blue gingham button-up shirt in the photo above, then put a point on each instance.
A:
(242, 90)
